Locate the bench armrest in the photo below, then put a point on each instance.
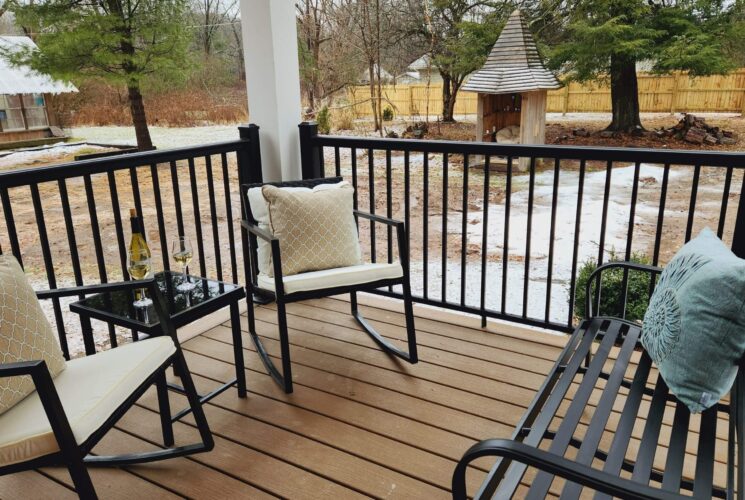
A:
(257, 231)
(627, 266)
(553, 464)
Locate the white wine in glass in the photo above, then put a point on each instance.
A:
(182, 254)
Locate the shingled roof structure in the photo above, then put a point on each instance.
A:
(514, 65)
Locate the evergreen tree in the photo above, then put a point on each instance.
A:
(607, 38)
(122, 41)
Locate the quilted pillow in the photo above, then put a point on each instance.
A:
(316, 229)
(25, 333)
(260, 212)
(694, 327)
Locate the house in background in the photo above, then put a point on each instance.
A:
(420, 72)
(25, 119)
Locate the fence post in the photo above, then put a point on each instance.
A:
(249, 157)
(310, 154)
(566, 99)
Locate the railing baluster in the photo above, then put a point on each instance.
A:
(464, 234)
(213, 216)
(49, 267)
(371, 199)
(725, 201)
(630, 238)
(552, 234)
(603, 224)
(138, 200)
(661, 215)
(10, 225)
(197, 217)
(506, 242)
(425, 227)
(337, 161)
(407, 195)
(484, 240)
(354, 178)
(575, 251)
(118, 224)
(97, 245)
(529, 231)
(229, 215)
(692, 203)
(177, 198)
(70, 229)
(444, 257)
(159, 216)
(389, 204)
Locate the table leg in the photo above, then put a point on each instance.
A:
(240, 365)
(85, 326)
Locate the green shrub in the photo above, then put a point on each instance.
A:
(387, 114)
(611, 294)
(324, 120)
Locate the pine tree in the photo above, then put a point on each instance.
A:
(607, 38)
(122, 41)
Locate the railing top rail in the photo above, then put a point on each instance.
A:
(669, 156)
(21, 177)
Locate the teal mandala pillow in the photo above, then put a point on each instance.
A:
(694, 327)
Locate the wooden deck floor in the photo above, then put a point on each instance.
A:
(359, 424)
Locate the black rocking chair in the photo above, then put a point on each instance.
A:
(275, 289)
(71, 449)
(543, 439)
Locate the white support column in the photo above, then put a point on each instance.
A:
(273, 82)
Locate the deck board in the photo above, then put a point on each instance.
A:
(360, 424)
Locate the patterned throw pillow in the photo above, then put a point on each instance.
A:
(25, 333)
(694, 327)
(316, 229)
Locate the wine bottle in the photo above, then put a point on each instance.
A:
(139, 252)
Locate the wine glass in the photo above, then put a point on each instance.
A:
(139, 268)
(183, 253)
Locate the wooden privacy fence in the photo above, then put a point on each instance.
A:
(657, 94)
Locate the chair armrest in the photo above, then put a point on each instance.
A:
(597, 273)
(276, 253)
(257, 231)
(91, 289)
(378, 218)
(48, 396)
(553, 464)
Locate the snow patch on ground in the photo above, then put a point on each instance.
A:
(163, 137)
(29, 156)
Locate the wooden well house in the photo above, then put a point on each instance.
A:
(512, 87)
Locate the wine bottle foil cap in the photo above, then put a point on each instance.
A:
(133, 212)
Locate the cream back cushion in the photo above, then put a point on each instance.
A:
(260, 212)
(25, 333)
(316, 229)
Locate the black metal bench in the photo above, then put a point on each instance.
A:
(567, 454)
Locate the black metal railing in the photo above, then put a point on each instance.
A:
(503, 231)
(67, 224)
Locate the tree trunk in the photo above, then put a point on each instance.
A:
(449, 93)
(139, 120)
(373, 98)
(624, 91)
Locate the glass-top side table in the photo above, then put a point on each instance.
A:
(208, 296)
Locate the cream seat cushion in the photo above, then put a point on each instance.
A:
(331, 278)
(25, 333)
(90, 388)
(260, 212)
